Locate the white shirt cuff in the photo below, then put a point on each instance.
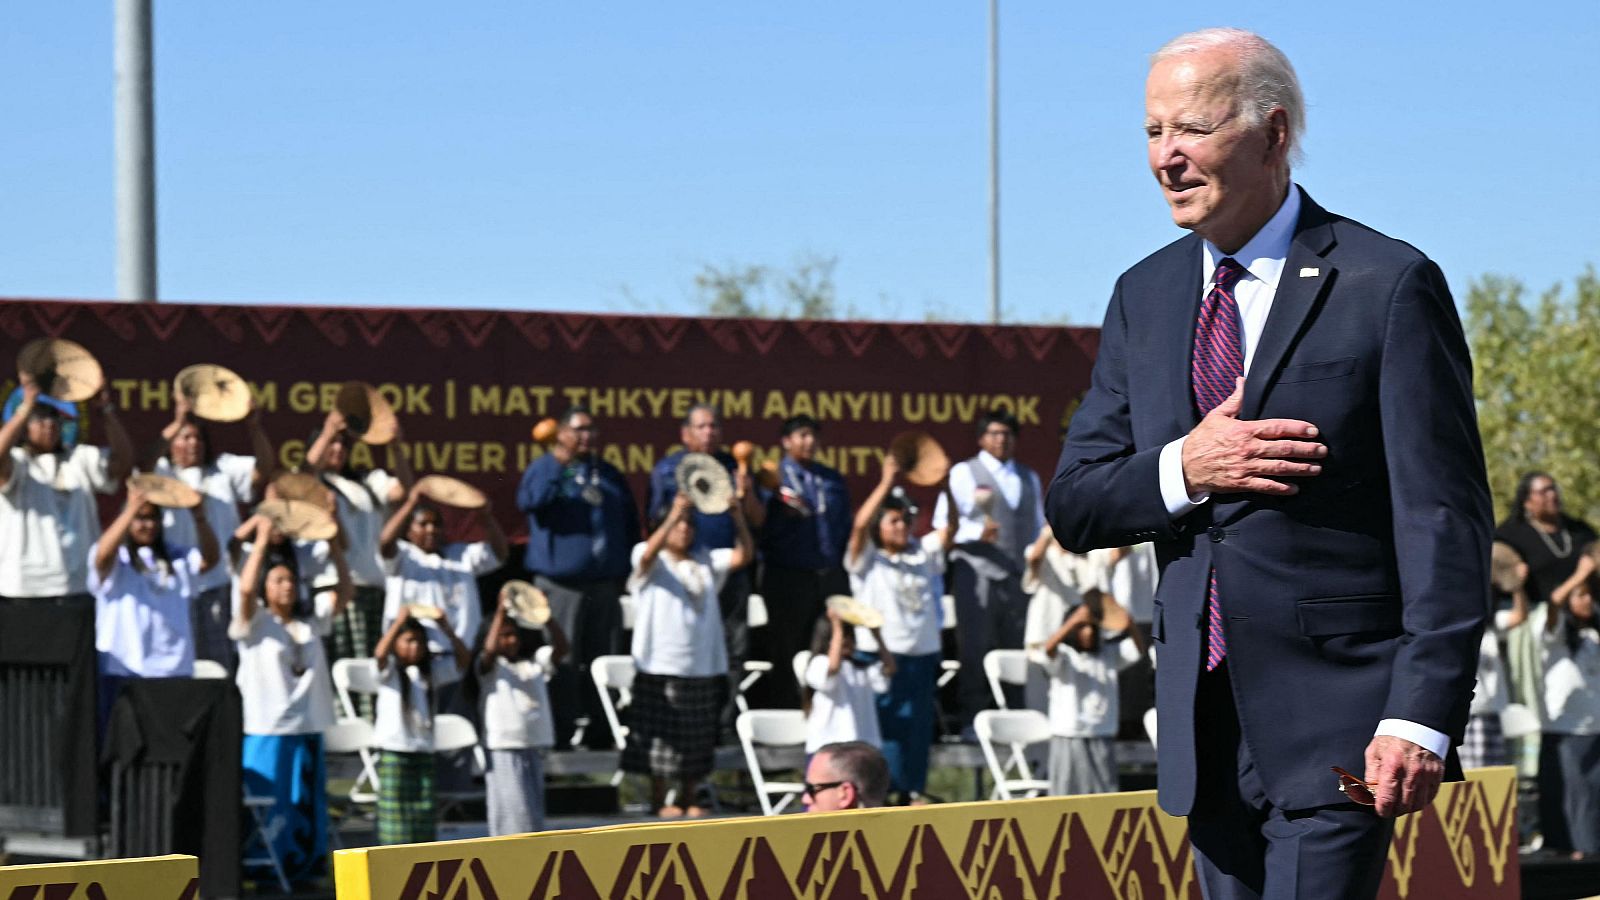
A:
(1432, 741)
(1173, 493)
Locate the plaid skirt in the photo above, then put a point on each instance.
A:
(406, 807)
(672, 729)
(1484, 744)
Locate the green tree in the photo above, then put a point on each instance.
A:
(804, 292)
(1537, 380)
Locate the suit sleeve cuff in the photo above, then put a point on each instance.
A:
(1173, 493)
(1432, 741)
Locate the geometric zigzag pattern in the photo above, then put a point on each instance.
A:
(1119, 847)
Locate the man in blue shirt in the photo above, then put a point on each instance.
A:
(702, 433)
(802, 548)
(582, 524)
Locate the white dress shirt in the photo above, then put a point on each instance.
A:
(1009, 478)
(1263, 257)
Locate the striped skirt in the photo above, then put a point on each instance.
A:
(406, 802)
(672, 729)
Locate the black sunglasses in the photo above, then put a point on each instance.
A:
(812, 790)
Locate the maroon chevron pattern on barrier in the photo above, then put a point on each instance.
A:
(1109, 847)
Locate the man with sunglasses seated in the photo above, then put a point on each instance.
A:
(846, 775)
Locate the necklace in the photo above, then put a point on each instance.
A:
(1561, 552)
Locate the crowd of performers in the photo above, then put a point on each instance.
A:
(220, 581)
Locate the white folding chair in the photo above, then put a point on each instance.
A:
(755, 617)
(948, 670)
(628, 611)
(209, 668)
(267, 826)
(353, 737)
(450, 734)
(947, 610)
(1517, 721)
(358, 675)
(614, 673)
(1150, 724)
(1019, 729)
(771, 728)
(1005, 667)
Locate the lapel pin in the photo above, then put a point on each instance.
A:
(1309, 272)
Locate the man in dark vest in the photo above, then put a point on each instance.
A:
(1002, 512)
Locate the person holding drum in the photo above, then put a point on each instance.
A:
(514, 706)
(287, 694)
(226, 481)
(48, 518)
(679, 654)
(701, 433)
(143, 587)
(362, 503)
(424, 570)
(899, 577)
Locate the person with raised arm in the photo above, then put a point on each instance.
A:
(226, 482)
(679, 654)
(900, 577)
(48, 517)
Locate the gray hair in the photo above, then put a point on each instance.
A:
(1266, 78)
(862, 765)
(688, 417)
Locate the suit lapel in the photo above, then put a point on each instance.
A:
(1306, 276)
(1178, 327)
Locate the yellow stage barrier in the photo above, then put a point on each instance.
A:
(1114, 846)
(149, 878)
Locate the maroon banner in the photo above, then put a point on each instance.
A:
(469, 385)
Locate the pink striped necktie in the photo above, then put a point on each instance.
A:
(1218, 361)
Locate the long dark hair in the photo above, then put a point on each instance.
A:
(282, 554)
(424, 665)
(1519, 504)
(158, 547)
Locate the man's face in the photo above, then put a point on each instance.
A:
(801, 444)
(1222, 177)
(836, 797)
(578, 434)
(998, 440)
(703, 433)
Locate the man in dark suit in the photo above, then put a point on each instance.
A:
(1282, 402)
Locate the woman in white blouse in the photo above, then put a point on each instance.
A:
(225, 481)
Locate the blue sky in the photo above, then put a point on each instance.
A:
(596, 156)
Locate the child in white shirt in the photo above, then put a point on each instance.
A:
(517, 724)
(423, 569)
(1085, 653)
(840, 696)
(408, 674)
(287, 695)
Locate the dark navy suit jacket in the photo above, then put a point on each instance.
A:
(1362, 597)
